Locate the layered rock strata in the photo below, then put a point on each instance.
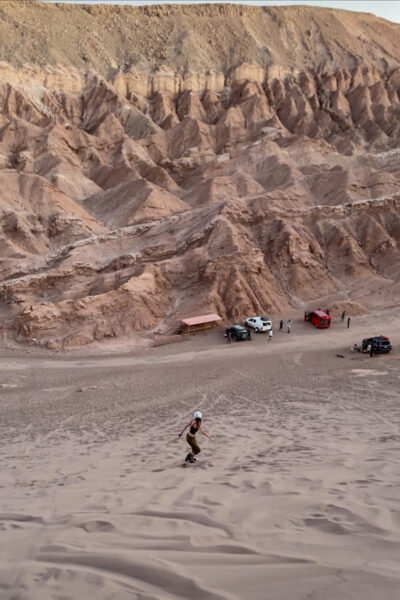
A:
(129, 202)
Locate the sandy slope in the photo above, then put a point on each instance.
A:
(296, 498)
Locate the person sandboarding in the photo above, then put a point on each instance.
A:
(195, 426)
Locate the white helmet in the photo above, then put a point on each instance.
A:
(197, 415)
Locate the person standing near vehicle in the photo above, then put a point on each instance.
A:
(195, 426)
(228, 336)
(270, 334)
(281, 325)
(289, 326)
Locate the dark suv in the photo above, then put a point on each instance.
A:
(380, 344)
(238, 333)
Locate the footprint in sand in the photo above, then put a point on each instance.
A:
(325, 525)
(367, 372)
(96, 526)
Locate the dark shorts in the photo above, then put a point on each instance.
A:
(192, 443)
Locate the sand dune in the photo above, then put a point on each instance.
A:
(296, 497)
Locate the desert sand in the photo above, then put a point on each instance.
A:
(297, 497)
(158, 163)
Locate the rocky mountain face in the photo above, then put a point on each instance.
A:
(166, 175)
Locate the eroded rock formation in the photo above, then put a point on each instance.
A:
(132, 198)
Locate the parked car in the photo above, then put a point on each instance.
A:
(259, 323)
(318, 318)
(238, 333)
(380, 343)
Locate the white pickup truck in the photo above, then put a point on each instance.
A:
(259, 323)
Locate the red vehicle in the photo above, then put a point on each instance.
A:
(318, 318)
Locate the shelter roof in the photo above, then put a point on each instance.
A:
(201, 319)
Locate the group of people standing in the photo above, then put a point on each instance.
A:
(281, 323)
(288, 325)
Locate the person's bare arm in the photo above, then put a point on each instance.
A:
(184, 429)
(205, 433)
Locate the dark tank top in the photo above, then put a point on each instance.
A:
(193, 429)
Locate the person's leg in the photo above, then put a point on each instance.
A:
(189, 454)
(194, 446)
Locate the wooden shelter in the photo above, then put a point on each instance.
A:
(200, 323)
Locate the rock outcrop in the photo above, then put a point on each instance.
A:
(139, 191)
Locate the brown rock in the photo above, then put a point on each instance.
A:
(239, 173)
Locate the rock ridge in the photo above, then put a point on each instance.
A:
(193, 37)
(135, 193)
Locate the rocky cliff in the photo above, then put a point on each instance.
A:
(162, 162)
